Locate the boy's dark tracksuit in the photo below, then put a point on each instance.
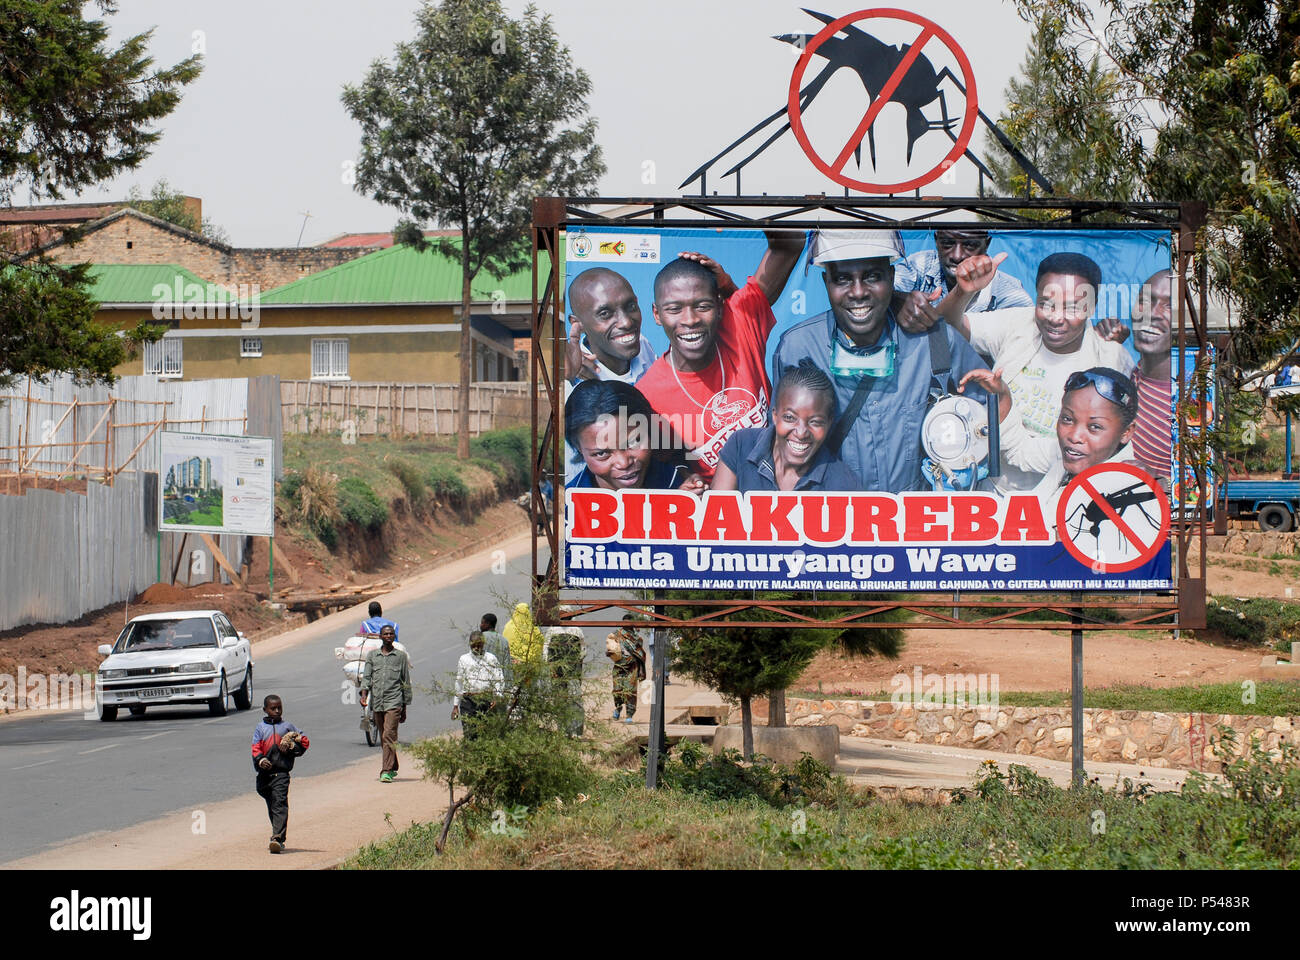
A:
(273, 784)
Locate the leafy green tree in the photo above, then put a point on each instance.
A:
(742, 663)
(472, 119)
(1204, 105)
(1069, 132)
(74, 110)
(167, 204)
(521, 756)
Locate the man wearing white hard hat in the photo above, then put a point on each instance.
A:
(884, 375)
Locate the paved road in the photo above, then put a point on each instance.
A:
(62, 775)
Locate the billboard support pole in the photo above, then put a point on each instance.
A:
(658, 659)
(1077, 776)
(270, 569)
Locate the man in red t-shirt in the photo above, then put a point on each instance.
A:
(713, 381)
(1152, 338)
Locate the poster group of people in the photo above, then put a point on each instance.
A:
(844, 403)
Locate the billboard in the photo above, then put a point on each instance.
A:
(868, 410)
(211, 483)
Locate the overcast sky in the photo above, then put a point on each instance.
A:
(262, 138)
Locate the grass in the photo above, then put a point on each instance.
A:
(1252, 621)
(1012, 819)
(207, 516)
(1273, 698)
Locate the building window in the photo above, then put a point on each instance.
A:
(164, 358)
(329, 360)
(250, 346)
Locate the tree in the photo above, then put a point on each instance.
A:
(1071, 134)
(742, 663)
(470, 121)
(74, 110)
(1205, 103)
(521, 756)
(167, 204)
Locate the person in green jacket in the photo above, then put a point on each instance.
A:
(386, 682)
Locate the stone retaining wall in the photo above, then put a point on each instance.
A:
(1183, 740)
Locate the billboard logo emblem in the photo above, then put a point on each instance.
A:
(728, 406)
(1113, 510)
(581, 246)
(615, 247)
(889, 74)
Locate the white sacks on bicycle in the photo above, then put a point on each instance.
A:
(354, 653)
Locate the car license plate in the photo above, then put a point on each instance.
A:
(158, 692)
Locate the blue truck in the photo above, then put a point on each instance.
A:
(1273, 504)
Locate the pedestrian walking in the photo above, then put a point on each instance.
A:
(480, 683)
(565, 651)
(526, 644)
(386, 683)
(623, 647)
(498, 646)
(276, 744)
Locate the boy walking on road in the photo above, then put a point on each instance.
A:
(276, 744)
(387, 678)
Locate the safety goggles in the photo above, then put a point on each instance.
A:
(1110, 388)
(850, 363)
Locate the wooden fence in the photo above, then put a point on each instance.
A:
(399, 409)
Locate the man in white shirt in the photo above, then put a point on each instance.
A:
(1036, 348)
(480, 683)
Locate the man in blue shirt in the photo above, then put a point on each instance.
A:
(926, 271)
(883, 374)
(377, 621)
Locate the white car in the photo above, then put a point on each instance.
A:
(182, 657)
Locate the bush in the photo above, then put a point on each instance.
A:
(416, 490)
(359, 505)
(511, 449)
(522, 757)
(446, 484)
(313, 498)
(1253, 620)
(727, 777)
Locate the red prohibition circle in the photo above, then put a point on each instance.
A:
(928, 29)
(1147, 553)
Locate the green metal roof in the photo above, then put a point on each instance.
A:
(137, 283)
(398, 274)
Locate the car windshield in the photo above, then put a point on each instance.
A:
(166, 635)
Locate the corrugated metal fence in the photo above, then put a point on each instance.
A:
(64, 554)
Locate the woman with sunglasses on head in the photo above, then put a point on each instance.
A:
(1095, 425)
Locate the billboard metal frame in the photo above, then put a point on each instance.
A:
(1183, 607)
